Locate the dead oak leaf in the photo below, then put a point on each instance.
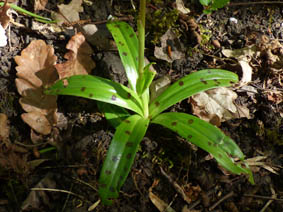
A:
(79, 61)
(35, 72)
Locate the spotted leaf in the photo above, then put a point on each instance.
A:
(190, 85)
(97, 88)
(120, 156)
(207, 137)
(114, 114)
(127, 44)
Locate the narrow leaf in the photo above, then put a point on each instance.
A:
(190, 85)
(207, 137)
(97, 88)
(144, 83)
(127, 44)
(114, 114)
(120, 156)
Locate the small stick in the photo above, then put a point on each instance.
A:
(221, 200)
(262, 197)
(253, 3)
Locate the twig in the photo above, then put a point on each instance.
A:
(221, 200)
(62, 191)
(262, 197)
(253, 3)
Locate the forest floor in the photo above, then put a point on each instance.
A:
(168, 172)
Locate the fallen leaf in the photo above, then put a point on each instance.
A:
(40, 4)
(79, 59)
(217, 105)
(5, 129)
(35, 72)
(171, 48)
(36, 199)
(159, 203)
(69, 11)
(158, 86)
(4, 17)
(244, 57)
(181, 7)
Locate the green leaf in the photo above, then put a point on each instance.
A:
(190, 85)
(144, 83)
(97, 88)
(114, 114)
(217, 4)
(127, 44)
(205, 2)
(120, 156)
(207, 137)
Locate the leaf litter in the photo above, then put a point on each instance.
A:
(271, 52)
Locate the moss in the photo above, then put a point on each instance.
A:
(159, 21)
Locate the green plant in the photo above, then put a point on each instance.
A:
(131, 128)
(212, 5)
(21, 10)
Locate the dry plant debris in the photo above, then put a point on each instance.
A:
(79, 59)
(40, 4)
(35, 72)
(5, 129)
(4, 17)
(69, 11)
(170, 49)
(217, 105)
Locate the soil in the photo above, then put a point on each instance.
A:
(165, 162)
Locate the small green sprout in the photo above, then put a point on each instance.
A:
(115, 100)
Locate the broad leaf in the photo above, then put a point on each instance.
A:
(207, 137)
(190, 85)
(114, 114)
(127, 44)
(97, 88)
(120, 156)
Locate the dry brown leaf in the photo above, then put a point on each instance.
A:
(244, 57)
(36, 199)
(170, 49)
(159, 203)
(5, 129)
(4, 17)
(69, 11)
(79, 58)
(181, 7)
(12, 160)
(36, 72)
(40, 4)
(217, 105)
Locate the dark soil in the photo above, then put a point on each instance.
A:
(164, 159)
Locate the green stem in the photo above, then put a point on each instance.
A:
(21, 10)
(141, 37)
